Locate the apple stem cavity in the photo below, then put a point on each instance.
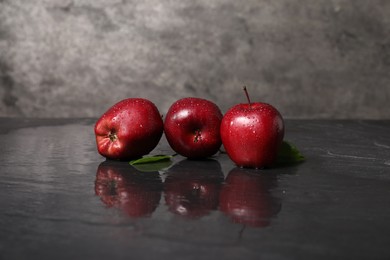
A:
(247, 95)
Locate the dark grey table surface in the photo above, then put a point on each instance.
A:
(60, 200)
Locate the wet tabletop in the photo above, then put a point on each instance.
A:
(59, 199)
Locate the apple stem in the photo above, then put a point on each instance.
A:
(247, 95)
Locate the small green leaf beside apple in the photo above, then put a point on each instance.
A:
(289, 154)
(151, 159)
(152, 163)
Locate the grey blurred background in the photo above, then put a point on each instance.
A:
(309, 58)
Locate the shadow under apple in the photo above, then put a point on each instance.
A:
(121, 186)
(246, 197)
(192, 187)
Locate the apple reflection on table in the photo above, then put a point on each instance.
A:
(246, 197)
(192, 187)
(136, 193)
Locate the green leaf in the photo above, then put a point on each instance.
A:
(152, 163)
(152, 167)
(151, 159)
(289, 154)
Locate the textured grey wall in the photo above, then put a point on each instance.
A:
(311, 59)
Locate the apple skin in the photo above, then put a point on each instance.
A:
(192, 188)
(192, 127)
(121, 186)
(129, 129)
(246, 197)
(252, 134)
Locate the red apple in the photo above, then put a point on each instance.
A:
(192, 188)
(252, 134)
(246, 197)
(192, 127)
(129, 129)
(121, 186)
